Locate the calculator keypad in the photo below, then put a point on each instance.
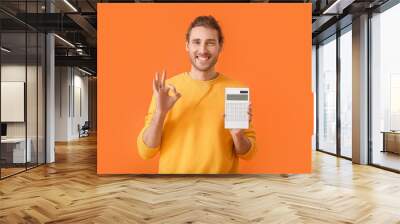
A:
(236, 111)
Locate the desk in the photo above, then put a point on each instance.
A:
(13, 150)
(391, 141)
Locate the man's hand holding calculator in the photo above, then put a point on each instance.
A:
(235, 131)
(238, 115)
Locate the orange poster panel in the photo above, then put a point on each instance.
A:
(267, 47)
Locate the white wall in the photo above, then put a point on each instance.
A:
(70, 84)
(62, 78)
(80, 83)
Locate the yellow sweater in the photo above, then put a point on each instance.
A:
(194, 140)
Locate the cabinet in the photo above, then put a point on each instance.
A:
(391, 142)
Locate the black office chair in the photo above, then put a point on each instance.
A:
(84, 130)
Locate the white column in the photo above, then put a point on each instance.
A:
(50, 93)
(50, 100)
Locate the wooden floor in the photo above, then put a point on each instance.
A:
(69, 191)
(5, 172)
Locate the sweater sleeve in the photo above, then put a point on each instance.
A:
(146, 152)
(251, 135)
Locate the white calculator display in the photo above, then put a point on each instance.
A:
(236, 108)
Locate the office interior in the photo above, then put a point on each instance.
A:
(354, 67)
(49, 83)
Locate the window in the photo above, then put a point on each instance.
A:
(346, 93)
(327, 95)
(385, 88)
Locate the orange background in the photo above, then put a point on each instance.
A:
(267, 47)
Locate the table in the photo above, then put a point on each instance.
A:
(13, 150)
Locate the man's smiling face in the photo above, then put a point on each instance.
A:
(203, 48)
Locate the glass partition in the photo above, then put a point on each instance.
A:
(22, 77)
(14, 153)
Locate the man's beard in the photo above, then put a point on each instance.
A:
(212, 63)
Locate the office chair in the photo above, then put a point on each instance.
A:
(84, 130)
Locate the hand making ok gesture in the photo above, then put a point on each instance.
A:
(164, 101)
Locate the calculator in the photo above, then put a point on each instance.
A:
(236, 108)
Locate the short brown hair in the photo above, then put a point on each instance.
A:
(209, 22)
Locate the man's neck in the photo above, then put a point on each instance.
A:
(203, 75)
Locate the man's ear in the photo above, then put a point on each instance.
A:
(187, 46)
(219, 49)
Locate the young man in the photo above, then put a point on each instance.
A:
(185, 122)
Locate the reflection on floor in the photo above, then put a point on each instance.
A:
(13, 169)
(386, 159)
(10, 171)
